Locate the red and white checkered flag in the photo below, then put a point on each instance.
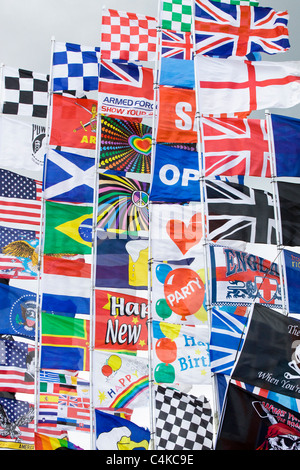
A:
(128, 36)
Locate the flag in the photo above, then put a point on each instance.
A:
(125, 90)
(17, 424)
(180, 353)
(121, 321)
(65, 342)
(235, 146)
(74, 122)
(176, 44)
(176, 15)
(18, 311)
(286, 132)
(238, 212)
(292, 276)
(123, 204)
(183, 422)
(176, 175)
(120, 380)
(226, 30)
(43, 442)
(173, 74)
(75, 67)
(73, 413)
(178, 292)
(289, 194)
(235, 86)
(251, 422)
(241, 278)
(271, 348)
(226, 338)
(17, 366)
(176, 232)
(19, 257)
(69, 177)
(20, 201)
(26, 140)
(125, 145)
(68, 228)
(25, 93)
(115, 433)
(128, 36)
(239, 2)
(121, 262)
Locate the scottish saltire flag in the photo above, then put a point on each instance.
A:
(235, 146)
(292, 276)
(226, 339)
(18, 311)
(172, 73)
(176, 175)
(127, 36)
(126, 89)
(176, 44)
(75, 67)
(120, 380)
(176, 15)
(115, 433)
(65, 342)
(286, 138)
(237, 86)
(69, 177)
(226, 30)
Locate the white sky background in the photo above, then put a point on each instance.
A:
(27, 27)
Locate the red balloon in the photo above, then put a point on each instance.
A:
(166, 350)
(106, 370)
(184, 291)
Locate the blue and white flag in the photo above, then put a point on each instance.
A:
(116, 433)
(226, 338)
(286, 134)
(176, 175)
(75, 67)
(69, 177)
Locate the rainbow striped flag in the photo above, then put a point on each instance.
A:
(42, 442)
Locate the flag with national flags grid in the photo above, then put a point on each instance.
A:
(176, 15)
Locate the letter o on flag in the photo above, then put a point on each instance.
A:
(171, 169)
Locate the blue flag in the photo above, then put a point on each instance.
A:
(173, 73)
(176, 175)
(286, 132)
(292, 269)
(115, 433)
(18, 311)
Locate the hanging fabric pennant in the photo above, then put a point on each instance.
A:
(69, 177)
(123, 205)
(121, 321)
(178, 292)
(177, 231)
(74, 122)
(180, 353)
(125, 145)
(120, 380)
(241, 278)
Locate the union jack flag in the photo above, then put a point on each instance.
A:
(237, 30)
(178, 45)
(235, 146)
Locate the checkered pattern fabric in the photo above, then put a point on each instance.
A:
(128, 36)
(183, 422)
(176, 15)
(75, 67)
(25, 93)
(239, 2)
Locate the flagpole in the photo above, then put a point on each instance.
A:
(41, 248)
(276, 205)
(1, 86)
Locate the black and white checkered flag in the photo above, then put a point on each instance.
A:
(183, 422)
(25, 93)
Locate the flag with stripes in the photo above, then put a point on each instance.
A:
(17, 366)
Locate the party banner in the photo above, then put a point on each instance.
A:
(178, 292)
(181, 353)
(120, 380)
(176, 231)
(121, 321)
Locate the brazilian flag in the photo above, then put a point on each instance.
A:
(68, 228)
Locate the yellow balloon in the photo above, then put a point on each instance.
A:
(114, 362)
(170, 330)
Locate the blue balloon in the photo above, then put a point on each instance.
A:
(162, 270)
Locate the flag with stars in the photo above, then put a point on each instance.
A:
(117, 312)
(120, 380)
(17, 424)
(17, 366)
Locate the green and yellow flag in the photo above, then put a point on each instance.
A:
(68, 228)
